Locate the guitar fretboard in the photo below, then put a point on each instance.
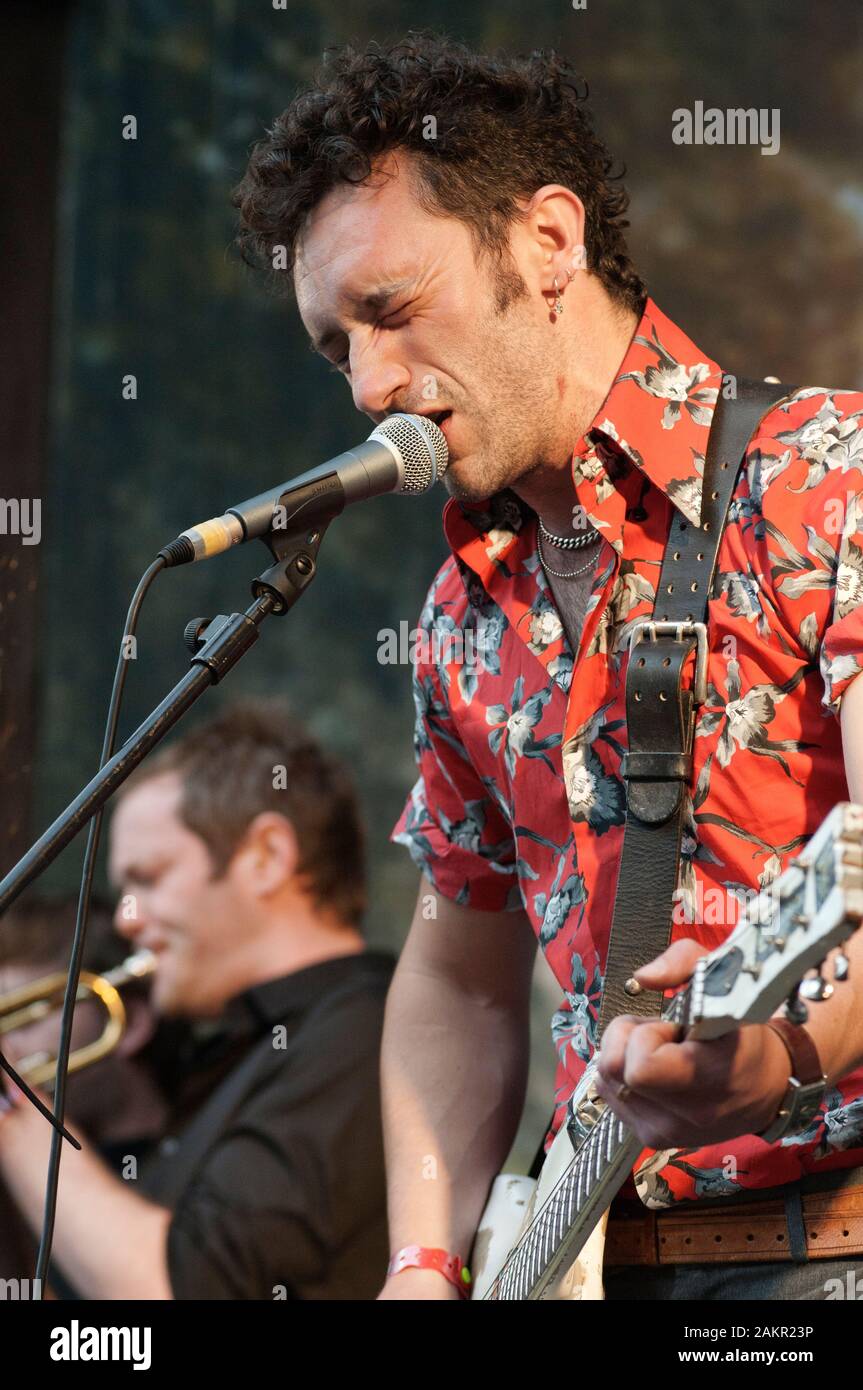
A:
(563, 1224)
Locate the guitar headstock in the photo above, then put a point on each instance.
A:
(814, 906)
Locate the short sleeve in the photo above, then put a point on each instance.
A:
(841, 653)
(809, 479)
(841, 649)
(453, 824)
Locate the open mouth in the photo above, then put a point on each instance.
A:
(440, 418)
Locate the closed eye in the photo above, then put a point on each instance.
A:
(344, 362)
(394, 313)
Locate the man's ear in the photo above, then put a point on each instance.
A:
(268, 855)
(554, 224)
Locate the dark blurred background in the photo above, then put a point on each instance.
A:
(117, 262)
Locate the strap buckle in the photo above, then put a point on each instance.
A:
(678, 631)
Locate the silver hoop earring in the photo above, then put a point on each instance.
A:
(558, 302)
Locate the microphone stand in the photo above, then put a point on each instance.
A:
(217, 644)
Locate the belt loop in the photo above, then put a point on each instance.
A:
(795, 1224)
(653, 1240)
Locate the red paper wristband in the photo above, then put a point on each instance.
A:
(421, 1257)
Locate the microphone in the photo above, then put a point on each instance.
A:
(407, 453)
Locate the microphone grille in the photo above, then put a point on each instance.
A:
(422, 448)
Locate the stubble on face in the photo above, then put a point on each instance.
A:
(484, 351)
(511, 411)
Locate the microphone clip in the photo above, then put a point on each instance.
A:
(296, 556)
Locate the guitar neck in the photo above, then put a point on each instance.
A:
(564, 1223)
(561, 1227)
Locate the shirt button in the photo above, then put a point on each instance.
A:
(169, 1146)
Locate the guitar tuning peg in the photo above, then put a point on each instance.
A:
(795, 1010)
(816, 989)
(841, 964)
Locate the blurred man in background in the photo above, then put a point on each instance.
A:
(120, 1104)
(238, 856)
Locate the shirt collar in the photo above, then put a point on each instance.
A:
(273, 1001)
(657, 413)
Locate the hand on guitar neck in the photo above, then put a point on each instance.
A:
(674, 1093)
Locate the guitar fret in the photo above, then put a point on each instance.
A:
(557, 1229)
(532, 1264)
(597, 1162)
(518, 1271)
(578, 1186)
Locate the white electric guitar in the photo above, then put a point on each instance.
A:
(545, 1240)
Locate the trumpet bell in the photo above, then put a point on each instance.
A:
(36, 1000)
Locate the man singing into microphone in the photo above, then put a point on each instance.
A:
(457, 249)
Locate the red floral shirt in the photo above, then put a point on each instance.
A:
(520, 802)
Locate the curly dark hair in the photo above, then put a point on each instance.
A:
(504, 127)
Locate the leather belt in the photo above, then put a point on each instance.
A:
(737, 1232)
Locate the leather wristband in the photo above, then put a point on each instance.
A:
(424, 1257)
(806, 1084)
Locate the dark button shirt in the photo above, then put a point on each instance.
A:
(273, 1160)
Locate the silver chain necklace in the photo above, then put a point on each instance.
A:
(563, 574)
(568, 542)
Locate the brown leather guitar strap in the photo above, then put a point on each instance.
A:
(661, 709)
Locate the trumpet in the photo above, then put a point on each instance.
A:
(32, 1002)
